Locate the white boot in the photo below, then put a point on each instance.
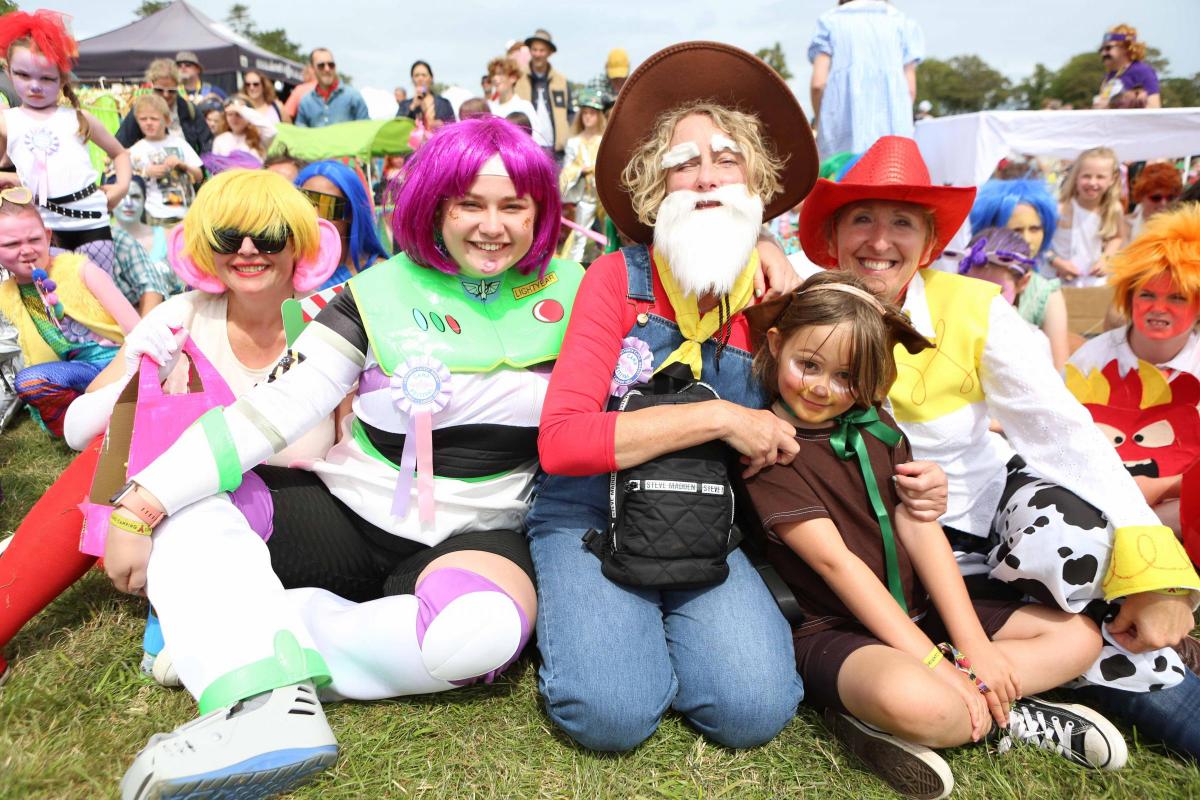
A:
(266, 745)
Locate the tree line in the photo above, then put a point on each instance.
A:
(967, 83)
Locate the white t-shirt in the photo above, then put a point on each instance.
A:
(204, 315)
(167, 197)
(52, 161)
(1081, 244)
(543, 128)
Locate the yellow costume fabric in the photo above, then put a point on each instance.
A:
(78, 303)
(941, 380)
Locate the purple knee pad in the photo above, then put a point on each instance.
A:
(443, 586)
(253, 499)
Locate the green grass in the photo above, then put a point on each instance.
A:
(76, 709)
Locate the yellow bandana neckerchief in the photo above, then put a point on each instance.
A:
(697, 329)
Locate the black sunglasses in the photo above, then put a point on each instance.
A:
(229, 240)
(325, 65)
(1163, 198)
(251, 83)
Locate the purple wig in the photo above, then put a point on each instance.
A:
(446, 166)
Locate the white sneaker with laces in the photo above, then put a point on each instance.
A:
(259, 747)
(911, 769)
(1077, 733)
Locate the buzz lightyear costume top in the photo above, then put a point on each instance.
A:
(472, 356)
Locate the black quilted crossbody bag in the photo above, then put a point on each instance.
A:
(671, 519)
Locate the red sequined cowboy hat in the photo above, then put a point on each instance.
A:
(891, 170)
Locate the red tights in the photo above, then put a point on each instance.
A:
(43, 559)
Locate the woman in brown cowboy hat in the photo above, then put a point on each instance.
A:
(1064, 523)
(702, 139)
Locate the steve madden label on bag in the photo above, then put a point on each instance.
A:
(675, 486)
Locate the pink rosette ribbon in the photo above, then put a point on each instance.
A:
(635, 364)
(420, 388)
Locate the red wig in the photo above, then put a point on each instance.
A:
(45, 31)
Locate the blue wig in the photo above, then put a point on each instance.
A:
(364, 240)
(996, 199)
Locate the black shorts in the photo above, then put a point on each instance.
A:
(318, 541)
(820, 655)
(73, 240)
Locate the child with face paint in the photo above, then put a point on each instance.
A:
(1026, 208)
(1001, 256)
(129, 218)
(1157, 286)
(48, 143)
(888, 622)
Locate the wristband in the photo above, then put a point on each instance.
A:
(131, 525)
(128, 499)
(934, 658)
(963, 665)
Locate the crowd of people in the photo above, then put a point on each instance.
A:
(592, 319)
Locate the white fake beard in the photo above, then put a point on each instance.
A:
(708, 248)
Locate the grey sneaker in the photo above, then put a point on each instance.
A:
(1077, 733)
(913, 770)
(259, 747)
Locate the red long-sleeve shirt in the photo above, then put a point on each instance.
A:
(577, 436)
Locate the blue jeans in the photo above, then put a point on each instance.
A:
(615, 658)
(1168, 716)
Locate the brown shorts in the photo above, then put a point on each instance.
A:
(819, 656)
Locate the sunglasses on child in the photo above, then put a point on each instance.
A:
(229, 240)
(328, 206)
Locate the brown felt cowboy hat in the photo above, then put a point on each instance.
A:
(690, 72)
(891, 170)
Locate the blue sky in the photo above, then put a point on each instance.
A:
(376, 41)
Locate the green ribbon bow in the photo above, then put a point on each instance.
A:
(847, 442)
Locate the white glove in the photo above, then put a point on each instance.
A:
(153, 337)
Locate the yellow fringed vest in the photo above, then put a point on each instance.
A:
(78, 303)
(941, 380)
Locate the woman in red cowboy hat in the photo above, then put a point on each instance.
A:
(1065, 524)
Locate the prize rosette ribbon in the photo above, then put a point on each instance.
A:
(420, 388)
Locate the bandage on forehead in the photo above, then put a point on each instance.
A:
(722, 142)
(680, 154)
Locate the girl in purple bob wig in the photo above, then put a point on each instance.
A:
(446, 167)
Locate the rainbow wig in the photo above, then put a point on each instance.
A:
(446, 167)
(364, 241)
(254, 201)
(1169, 243)
(996, 200)
(45, 31)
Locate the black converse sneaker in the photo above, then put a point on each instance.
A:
(1077, 733)
(913, 770)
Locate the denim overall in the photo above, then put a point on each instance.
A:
(614, 657)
